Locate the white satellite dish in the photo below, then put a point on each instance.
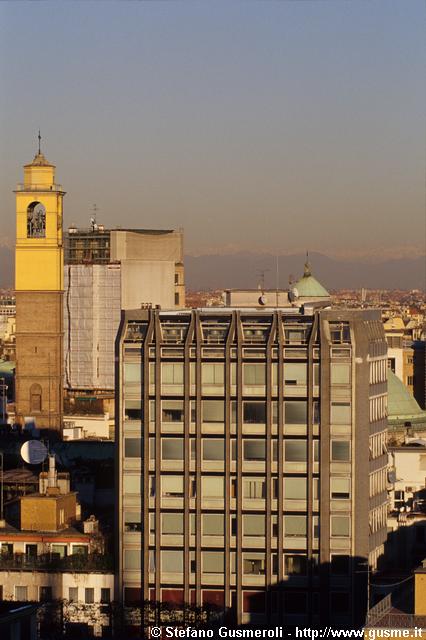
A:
(33, 452)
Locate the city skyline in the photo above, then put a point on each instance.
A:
(259, 128)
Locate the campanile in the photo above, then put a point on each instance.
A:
(39, 296)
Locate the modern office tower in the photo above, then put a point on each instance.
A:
(107, 270)
(39, 296)
(251, 464)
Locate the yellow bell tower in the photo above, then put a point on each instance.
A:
(39, 296)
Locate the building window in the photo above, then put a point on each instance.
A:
(172, 373)
(21, 594)
(73, 594)
(295, 602)
(340, 488)
(295, 451)
(254, 450)
(172, 561)
(132, 596)
(172, 411)
(254, 564)
(212, 561)
(213, 411)
(58, 550)
(295, 412)
(213, 449)
(254, 374)
(35, 398)
(340, 413)
(132, 521)
(295, 564)
(295, 488)
(172, 486)
(36, 220)
(212, 373)
(132, 372)
(89, 595)
(177, 299)
(340, 451)
(45, 594)
(340, 373)
(295, 526)
(132, 559)
(212, 487)
(254, 412)
(132, 484)
(340, 332)
(172, 523)
(254, 525)
(295, 373)
(132, 447)
(213, 524)
(172, 448)
(254, 488)
(132, 409)
(340, 526)
(105, 595)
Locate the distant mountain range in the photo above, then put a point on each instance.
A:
(244, 270)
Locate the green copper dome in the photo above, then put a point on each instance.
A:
(309, 287)
(402, 407)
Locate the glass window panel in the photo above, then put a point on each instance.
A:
(295, 488)
(172, 486)
(295, 565)
(295, 373)
(340, 488)
(172, 561)
(212, 561)
(340, 450)
(254, 374)
(132, 447)
(172, 411)
(172, 372)
(212, 487)
(254, 525)
(213, 449)
(172, 448)
(254, 564)
(254, 412)
(340, 373)
(132, 372)
(132, 484)
(295, 412)
(172, 523)
(295, 451)
(213, 524)
(213, 411)
(132, 559)
(340, 526)
(132, 521)
(132, 409)
(254, 488)
(340, 413)
(254, 450)
(212, 373)
(295, 526)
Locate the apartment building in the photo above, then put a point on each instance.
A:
(251, 461)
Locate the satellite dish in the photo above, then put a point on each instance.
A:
(33, 452)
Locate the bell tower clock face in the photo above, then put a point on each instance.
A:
(36, 220)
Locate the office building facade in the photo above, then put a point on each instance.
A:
(251, 464)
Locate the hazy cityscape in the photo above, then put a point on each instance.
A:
(212, 381)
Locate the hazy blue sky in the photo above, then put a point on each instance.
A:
(253, 125)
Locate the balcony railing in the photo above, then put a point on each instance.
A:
(38, 187)
(52, 562)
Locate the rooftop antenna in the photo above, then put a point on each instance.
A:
(39, 142)
(277, 279)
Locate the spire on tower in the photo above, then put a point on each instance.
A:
(39, 142)
(307, 270)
